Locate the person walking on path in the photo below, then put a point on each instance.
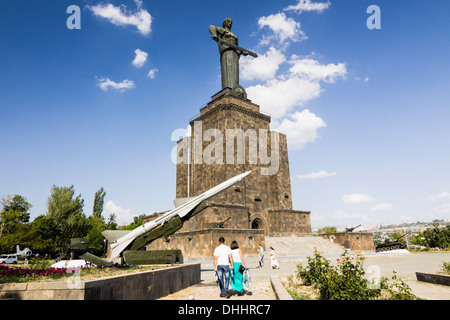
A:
(239, 268)
(273, 259)
(260, 257)
(223, 261)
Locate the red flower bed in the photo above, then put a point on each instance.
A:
(6, 271)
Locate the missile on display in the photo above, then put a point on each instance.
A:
(167, 224)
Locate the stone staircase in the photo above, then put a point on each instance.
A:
(302, 247)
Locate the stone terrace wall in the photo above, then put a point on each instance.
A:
(355, 241)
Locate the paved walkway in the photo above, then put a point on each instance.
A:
(208, 289)
(403, 262)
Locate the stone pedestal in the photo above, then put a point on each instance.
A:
(232, 136)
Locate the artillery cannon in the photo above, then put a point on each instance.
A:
(351, 229)
(219, 225)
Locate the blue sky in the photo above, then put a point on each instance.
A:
(366, 111)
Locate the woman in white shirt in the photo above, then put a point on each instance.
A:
(239, 265)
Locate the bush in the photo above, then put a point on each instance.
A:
(347, 280)
(397, 289)
(446, 267)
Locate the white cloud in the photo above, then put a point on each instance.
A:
(314, 71)
(307, 5)
(120, 16)
(140, 58)
(122, 215)
(442, 195)
(301, 128)
(440, 212)
(382, 207)
(316, 175)
(152, 73)
(357, 198)
(105, 84)
(264, 68)
(138, 3)
(279, 96)
(282, 96)
(283, 28)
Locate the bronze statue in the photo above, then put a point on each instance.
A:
(230, 53)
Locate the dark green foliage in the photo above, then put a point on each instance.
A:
(49, 234)
(14, 212)
(99, 200)
(347, 280)
(64, 208)
(437, 237)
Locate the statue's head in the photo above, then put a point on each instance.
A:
(227, 23)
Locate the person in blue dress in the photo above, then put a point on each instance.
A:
(239, 267)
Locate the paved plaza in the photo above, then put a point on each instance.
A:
(401, 261)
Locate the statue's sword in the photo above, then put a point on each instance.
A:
(235, 47)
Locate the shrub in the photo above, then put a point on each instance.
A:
(446, 266)
(347, 281)
(397, 289)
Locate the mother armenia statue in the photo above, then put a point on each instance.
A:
(230, 53)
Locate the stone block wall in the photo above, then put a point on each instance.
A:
(286, 222)
(355, 241)
(201, 243)
(238, 214)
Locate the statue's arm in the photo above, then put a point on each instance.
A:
(213, 31)
(216, 32)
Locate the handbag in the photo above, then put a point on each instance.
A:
(241, 269)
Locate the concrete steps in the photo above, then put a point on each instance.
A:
(302, 247)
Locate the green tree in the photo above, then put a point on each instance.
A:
(328, 230)
(112, 222)
(94, 236)
(99, 200)
(41, 234)
(67, 211)
(14, 212)
(437, 237)
(137, 221)
(63, 207)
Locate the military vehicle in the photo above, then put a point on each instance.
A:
(74, 249)
(390, 244)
